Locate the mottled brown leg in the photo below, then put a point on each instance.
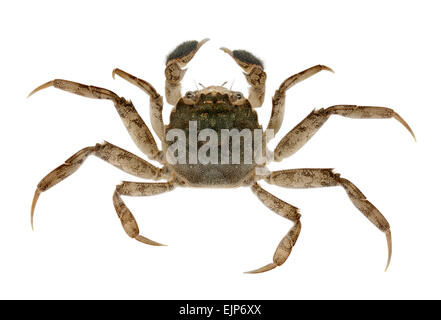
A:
(278, 110)
(297, 137)
(128, 221)
(156, 101)
(315, 178)
(136, 127)
(287, 211)
(142, 189)
(114, 155)
(254, 74)
(176, 60)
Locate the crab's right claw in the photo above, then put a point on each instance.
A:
(176, 60)
(183, 53)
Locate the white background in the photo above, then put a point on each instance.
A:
(384, 54)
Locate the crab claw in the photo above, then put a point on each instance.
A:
(254, 73)
(183, 53)
(246, 60)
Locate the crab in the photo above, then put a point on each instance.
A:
(215, 108)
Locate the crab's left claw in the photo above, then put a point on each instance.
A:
(254, 74)
(246, 60)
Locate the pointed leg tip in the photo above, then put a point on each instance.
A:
(410, 130)
(328, 69)
(43, 86)
(253, 272)
(266, 268)
(404, 123)
(149, 242)
(160, 244)
(389, 248)
(34, 203)
(31, 93)
(117, 72)
(387, 264)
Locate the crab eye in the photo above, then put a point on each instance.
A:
(190, 95)
(238, 95)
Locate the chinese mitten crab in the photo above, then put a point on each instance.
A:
(194, 156)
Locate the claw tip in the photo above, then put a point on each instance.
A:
(266, 268)
(43, 86)
(34, 203)
(226, 50)
(328, 69)
(389, 248)
(148, 241)
(404, 123)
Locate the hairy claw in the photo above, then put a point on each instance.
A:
(246, 60)
(254, 74)
(184, 52)
(174, 73)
